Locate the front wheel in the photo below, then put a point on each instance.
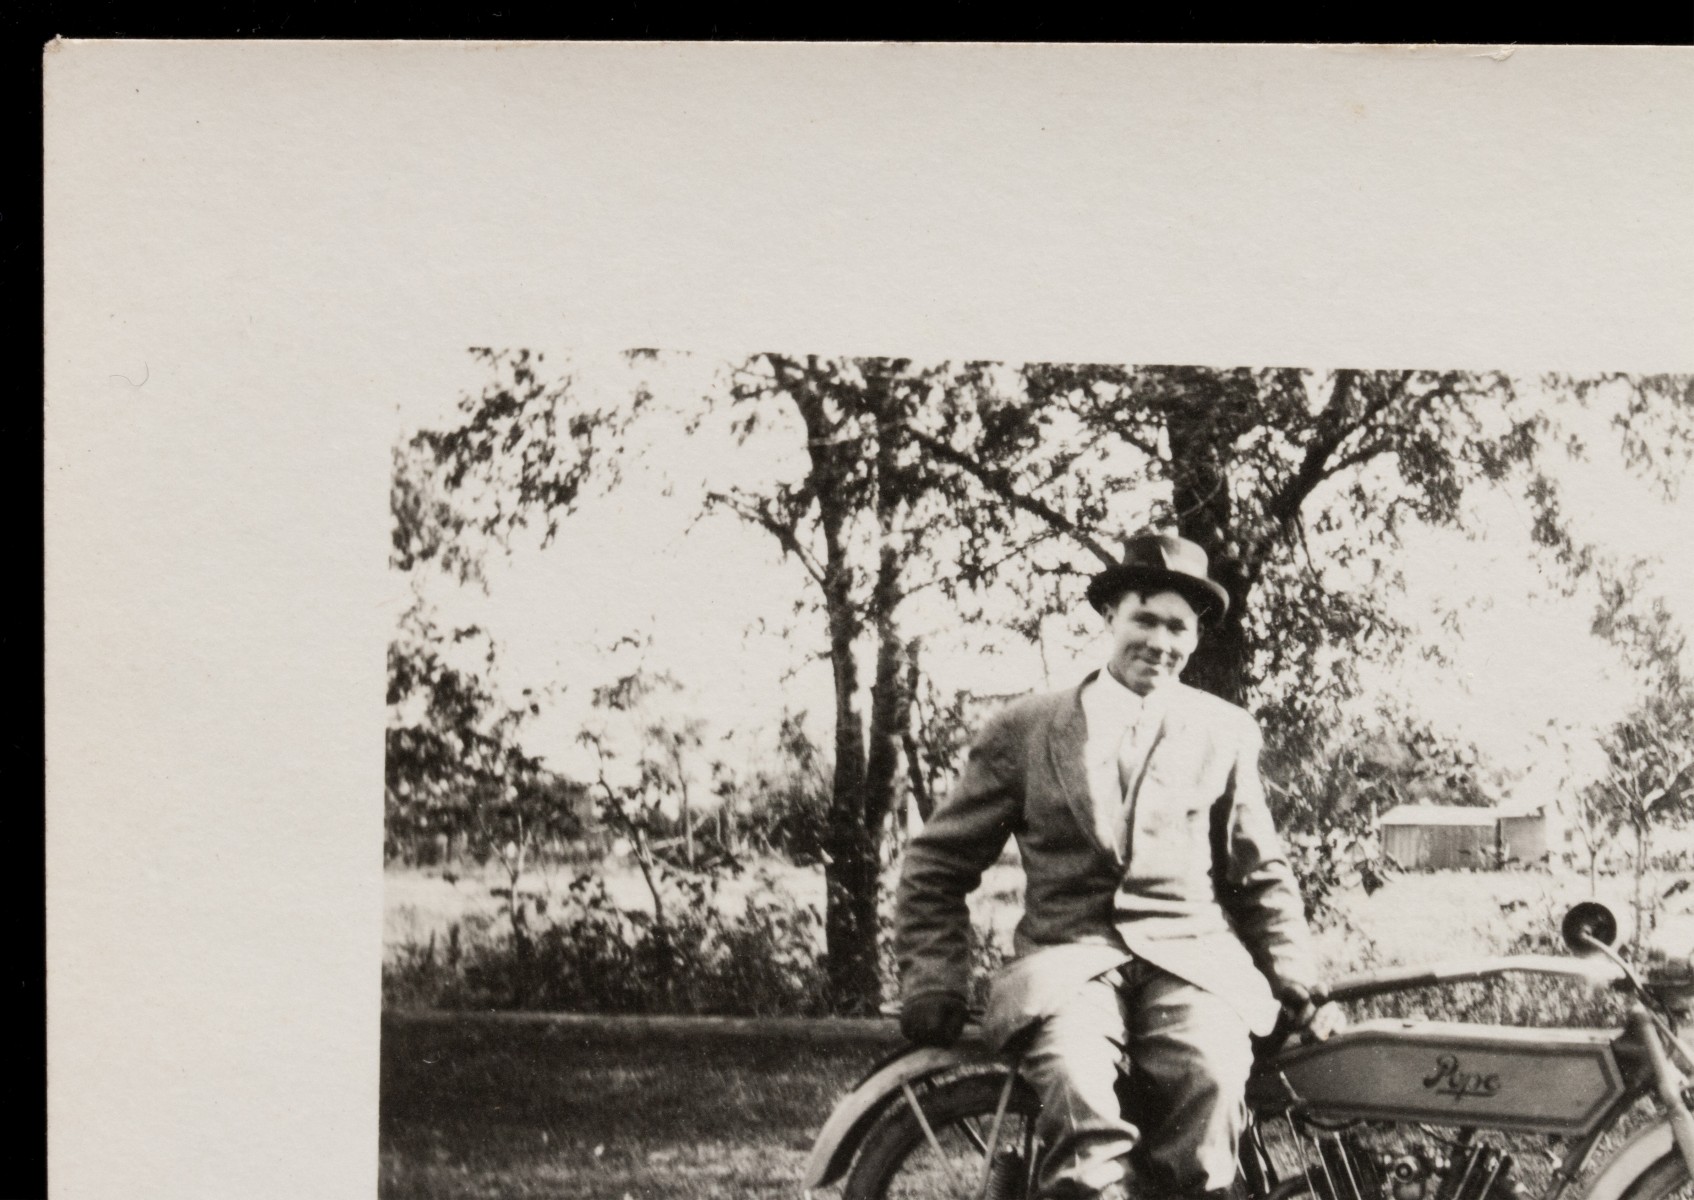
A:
(900, 1160)
(1666, 1179)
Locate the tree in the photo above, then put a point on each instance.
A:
(1648, 780)
(455, 767)
(936, 737)
(782, 804)
(1254, 466)
(1578, 803)
(855, 522)
(455, 763)
(1648, 783)
(667, 743)
(944, 476)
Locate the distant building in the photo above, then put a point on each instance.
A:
(1445, 837)
(1529, 835)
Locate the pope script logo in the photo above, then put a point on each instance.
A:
(1448, 1079)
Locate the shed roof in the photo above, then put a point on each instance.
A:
(1438, 814)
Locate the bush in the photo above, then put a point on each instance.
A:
(1327, 864)
(585, 954)
(789, 817)
(431, 975)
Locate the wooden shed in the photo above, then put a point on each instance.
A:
(1440, 837)
(1525, 836)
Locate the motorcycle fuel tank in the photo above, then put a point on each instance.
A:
(1544, 1080)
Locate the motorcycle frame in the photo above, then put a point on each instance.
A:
(1632, 1056)
(1648, 1069)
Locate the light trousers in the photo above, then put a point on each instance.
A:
(1187, 1055)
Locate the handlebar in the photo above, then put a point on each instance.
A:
(1399, 979)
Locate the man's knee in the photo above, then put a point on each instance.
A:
(1187, 1031)
(1086, 1031)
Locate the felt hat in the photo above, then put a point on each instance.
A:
(1161, 562)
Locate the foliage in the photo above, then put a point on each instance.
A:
(454, 763)
(1343, 775)
(1326, 787)
(958, 478)
(586, 954)
(524, 450)
(1328, 864)
(1648, 784)
(696, 948)
(783, 807)
(1272, 471)
(668, 745)
(935, 743)
(1518, 1000)
(454, 767)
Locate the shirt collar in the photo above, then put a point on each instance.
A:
(1107, 694)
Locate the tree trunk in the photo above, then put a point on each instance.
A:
(850, 866)
(850, 853)
(1639, 936)
(1200, 495)
(922, 795)
(866, 767)
(687, 827)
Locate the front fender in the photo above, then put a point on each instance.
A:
(1643, 1148)
(858, 1110)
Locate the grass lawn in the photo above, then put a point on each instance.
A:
(473, 1107)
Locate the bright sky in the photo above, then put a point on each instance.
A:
(715, 604)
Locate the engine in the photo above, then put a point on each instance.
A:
(1343, 1166)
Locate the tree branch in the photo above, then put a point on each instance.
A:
(985, 568)
(1331, 429)
(1357, 458)
(786, 534)
(999, 483)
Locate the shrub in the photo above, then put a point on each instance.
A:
(431, 974)
(586, 954)
(1327, 864)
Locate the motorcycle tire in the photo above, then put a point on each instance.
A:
(1666, 1179)
(897, 1161)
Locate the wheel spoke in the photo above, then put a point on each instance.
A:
(943, 1160)
(940, 1143)
(968, 1128)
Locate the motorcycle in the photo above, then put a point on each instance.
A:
(1386, 1109)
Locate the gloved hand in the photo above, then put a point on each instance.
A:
(933, 1018)
(1304, 1015)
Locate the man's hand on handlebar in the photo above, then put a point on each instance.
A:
(1311, 1017)
(933, 1019)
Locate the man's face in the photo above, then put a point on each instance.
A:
(1152, 637)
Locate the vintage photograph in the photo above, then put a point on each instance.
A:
(675, 621)
(893, 777)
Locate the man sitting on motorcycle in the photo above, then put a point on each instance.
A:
(1161, 922)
